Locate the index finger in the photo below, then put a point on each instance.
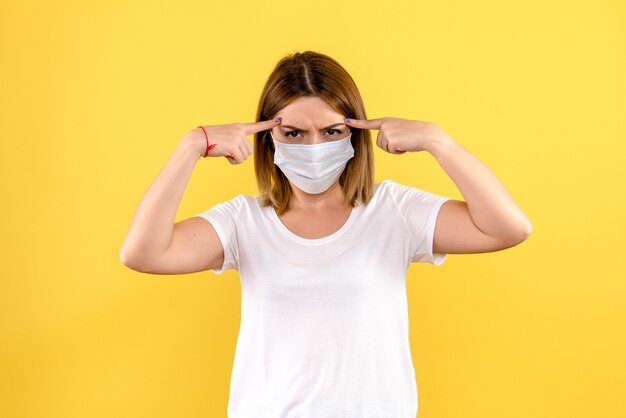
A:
(263, 125)
(366, 123)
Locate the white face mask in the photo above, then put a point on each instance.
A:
(313, 168)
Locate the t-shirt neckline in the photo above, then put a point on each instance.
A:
(313, 241)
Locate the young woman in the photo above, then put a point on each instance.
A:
(323, 251)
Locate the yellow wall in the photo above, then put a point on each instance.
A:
(95, 96)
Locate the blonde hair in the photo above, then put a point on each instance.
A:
(311, 73)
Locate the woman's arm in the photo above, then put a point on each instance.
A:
(488, 219)
(487, 202)
(150, 231)
(154, 243)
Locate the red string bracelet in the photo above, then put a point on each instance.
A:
(207, 143)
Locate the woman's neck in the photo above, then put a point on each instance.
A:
(332, 198)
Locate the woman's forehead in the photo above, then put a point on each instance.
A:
(309, 113)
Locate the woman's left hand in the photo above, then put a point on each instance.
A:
(397, 136)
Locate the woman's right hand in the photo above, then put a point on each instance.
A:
(231, 140)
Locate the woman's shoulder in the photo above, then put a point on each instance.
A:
(386, 185)
(398, 191)
(236, 204)
(243, 198)
(394, 186)
(381, 189)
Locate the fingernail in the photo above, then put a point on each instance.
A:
(347, 120)
(278, 119)
(212, 146)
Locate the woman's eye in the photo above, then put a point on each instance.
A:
(289, 134)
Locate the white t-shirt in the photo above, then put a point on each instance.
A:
(324, 322)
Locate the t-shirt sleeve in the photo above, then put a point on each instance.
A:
(419, 209)
(223, 216)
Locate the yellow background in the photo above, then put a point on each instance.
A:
(96, 95)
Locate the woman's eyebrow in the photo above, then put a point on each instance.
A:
(303, 130)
